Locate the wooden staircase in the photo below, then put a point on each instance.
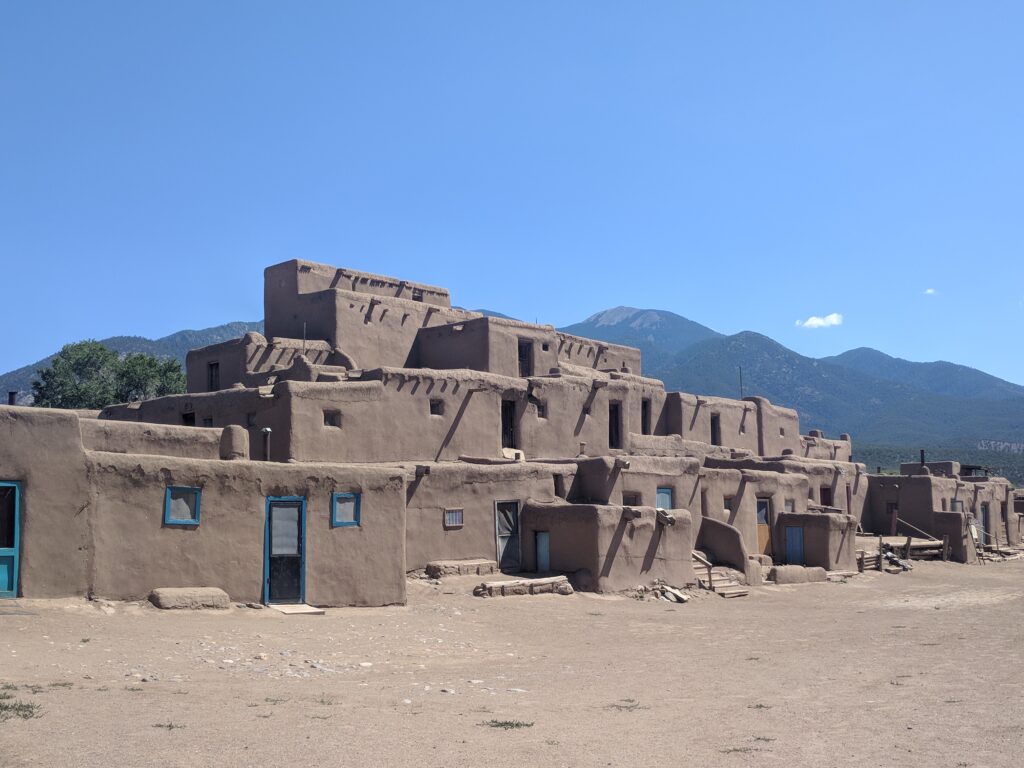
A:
(719, 580)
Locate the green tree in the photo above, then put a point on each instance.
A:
(89, 375)
(141, 377)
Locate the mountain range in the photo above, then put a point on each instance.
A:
(891, 407)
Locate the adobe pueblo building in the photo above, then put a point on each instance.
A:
(375, 429)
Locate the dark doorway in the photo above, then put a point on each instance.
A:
(212, 377)
(716, 429)
(10, 500)
(826, 496)
(188, 419)
(506, 527)
(525, 358)
(508, 424)
(645, 416)
(614, 425)
(285, 550)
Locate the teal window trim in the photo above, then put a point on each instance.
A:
(197, 492)
(661, 493)
(357, 517)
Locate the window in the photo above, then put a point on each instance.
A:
(665, 499)
(208, 422)
(188, 419)
(716, 429)
(181, 505)
(212, 377)
(943, 505)
(332, 419)
(614, 425)
(542, 409)
(437, 407)
(631, 499)
(417, 294)
(764, 511)
(826, 496)
(546, 347)
(453, 519)
(790, 506)
(645, 416)
(728, 503)
(345, 508)
(250, 419)
(782, 431)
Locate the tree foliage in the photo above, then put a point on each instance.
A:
(88, 375)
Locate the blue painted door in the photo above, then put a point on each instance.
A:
(10, 537)
(543, 551)
(664, 500)
(794, 545)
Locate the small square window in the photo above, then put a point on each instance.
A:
(332, 418)
(181, 505)
(453, 519)
(417, 294)
(437, 407)
(188, 419)
(631, 499)
(542, 409)
(208, 422)
(545, 347)
(345, 509)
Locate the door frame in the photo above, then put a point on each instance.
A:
(302, 545)
(770, 525)
(519, 530)
(16, 485)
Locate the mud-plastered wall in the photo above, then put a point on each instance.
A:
(136, 552)
(41, 449)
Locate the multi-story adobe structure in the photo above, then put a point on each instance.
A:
(945, 499)
(374, 428)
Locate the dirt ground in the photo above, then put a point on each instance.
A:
(921, 669)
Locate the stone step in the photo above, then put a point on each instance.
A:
(436, 569)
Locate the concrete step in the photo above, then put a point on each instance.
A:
(736, 591)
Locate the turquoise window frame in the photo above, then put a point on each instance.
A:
(198, 492)
(355, 523)
(665, 491)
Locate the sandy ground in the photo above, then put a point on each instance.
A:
(922, 669)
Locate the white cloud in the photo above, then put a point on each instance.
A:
(930, 291)
(828, 321)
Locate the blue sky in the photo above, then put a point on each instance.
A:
(747, 165)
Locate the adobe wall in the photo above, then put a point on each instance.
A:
(156, 439)
(829, 539)
(135, 552)
(816, 446)
(372, 331)
(297, 276)
(42, 449)
(254, 409)
(474, 488)
(614, 550)
(598, 355)
(691, 417)
(251, 360)
(778, 427)
(454, 345)
(604, 481)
